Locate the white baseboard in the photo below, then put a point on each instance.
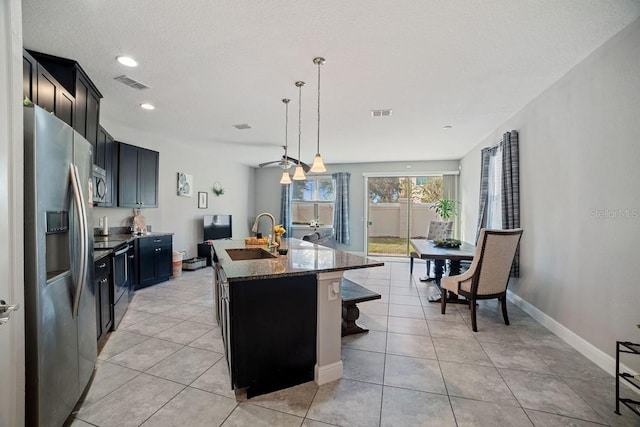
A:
(328, 373)
(591, 352)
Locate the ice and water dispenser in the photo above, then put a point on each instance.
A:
(57, 243)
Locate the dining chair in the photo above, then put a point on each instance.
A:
(438, 230)
(488, 276)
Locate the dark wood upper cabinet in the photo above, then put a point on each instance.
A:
(43, 89)
(148, 177)
(29, 76)
(47, 88)
(137, 176)
(53, 97)
(86, 109)
(65, 107)
(105, 158)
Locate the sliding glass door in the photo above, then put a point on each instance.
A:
(399, 209)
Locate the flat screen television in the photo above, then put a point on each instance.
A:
(217, 227)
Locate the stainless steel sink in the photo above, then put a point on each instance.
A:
(248, 253)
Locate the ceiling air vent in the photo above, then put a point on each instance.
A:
(380, 113)
(126, 80)
(242, 126)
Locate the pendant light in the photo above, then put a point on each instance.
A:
(299, 174)
(286, 179)
(318, 164)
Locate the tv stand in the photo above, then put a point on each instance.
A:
(206, 251)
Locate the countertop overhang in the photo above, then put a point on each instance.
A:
(303, 258)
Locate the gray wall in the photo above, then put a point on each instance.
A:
(268, 188)
(207, 163)
(580, 203)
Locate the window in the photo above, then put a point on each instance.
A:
(312, 200)
(494, 191)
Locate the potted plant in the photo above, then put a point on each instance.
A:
(445, 208)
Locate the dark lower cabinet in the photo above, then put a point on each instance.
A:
(154, 260)
(104, 297)
(271, 332)
(137, 176)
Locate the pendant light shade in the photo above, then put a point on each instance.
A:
(299, 174)
(318, 164)
(286, 179)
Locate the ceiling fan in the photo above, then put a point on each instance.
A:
(286, 162)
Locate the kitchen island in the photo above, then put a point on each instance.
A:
(280, 315)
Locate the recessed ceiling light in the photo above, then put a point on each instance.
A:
(127, 61)
(447, 127)
(147, 106)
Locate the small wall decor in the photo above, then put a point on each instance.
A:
(217, 189)
(185, 184)
(203, 200)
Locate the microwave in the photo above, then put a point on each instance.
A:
(99, 184)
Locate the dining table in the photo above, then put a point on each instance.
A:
(428, 249)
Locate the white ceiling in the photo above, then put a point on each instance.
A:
(212, 64)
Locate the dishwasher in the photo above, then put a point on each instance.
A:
(120, 271)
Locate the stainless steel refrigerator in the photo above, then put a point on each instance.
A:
(61, 346)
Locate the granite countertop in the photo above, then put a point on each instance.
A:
(303, 258)
(104, 245)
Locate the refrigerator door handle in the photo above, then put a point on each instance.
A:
(82, 219)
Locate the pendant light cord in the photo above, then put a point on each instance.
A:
(318, 146)
(299, 84)
(286, 129)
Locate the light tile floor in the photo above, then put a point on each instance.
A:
(164, 367)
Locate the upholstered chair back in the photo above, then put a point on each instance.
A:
(494, 256)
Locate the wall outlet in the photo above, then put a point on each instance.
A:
(100, 222)
(334, 291)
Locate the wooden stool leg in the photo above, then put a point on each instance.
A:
(350, 314)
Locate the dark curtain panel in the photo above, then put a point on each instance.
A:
(341, 222)
(285, 208)
(510, 188)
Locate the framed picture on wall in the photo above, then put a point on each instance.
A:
(185, 184)
(203, 200)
